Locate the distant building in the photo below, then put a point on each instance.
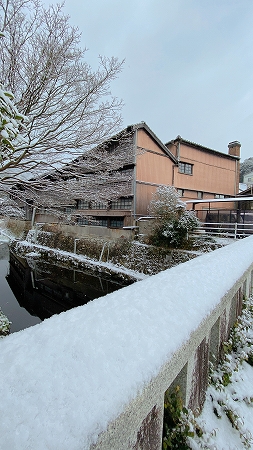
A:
(248, 179)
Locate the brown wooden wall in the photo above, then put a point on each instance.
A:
(153, 168)
(152, 163)
(144, 194)
(211, 172)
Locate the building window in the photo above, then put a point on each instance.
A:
(116, 222)
(99, 205)
(68, 209)
(185, 168)
(83, 204)
(100, 222)
(122, 203)
(219, 196)
(180, 192)
(82, 221)
(200, 194)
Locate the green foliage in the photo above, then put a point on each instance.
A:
(226, 378)
(179, 424)
(232, 417)
(173, 222)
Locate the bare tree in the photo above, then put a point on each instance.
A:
(100, 175)
(69, 106)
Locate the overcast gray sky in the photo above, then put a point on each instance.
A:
(188, 64)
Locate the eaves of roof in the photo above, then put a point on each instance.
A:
(246, 191)
(201, 148)
(143, 125)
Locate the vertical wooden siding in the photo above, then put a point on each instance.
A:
(211, 172)
(153, 168)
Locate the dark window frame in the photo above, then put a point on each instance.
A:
(180, 192)
(219, 196)
(122, 203)
(83, 204)
(185, 168)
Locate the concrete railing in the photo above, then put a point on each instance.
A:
(140, 425)
(95, 377)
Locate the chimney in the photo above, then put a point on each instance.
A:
(234, 148)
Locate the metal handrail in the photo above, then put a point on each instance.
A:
(235, 229)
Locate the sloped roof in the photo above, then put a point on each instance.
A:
(201, 147)
(144, 126)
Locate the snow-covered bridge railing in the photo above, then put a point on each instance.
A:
(95, 377)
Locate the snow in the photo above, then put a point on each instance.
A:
(4, 134)
(74, 258)
(226, 419)
(225, 437)
(63, 380)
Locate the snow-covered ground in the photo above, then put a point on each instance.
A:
(227, 417)
(222, 435)
(63, 380)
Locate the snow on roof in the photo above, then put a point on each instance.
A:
(63, 380)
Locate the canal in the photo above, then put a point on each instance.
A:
(33, 290)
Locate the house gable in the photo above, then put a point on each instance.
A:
(209, 171)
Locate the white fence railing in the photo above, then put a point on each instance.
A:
(233, 230)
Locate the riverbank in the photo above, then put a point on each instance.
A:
(131, 254)
(79, 262)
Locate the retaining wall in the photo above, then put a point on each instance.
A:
(90, 231)
(21, 227)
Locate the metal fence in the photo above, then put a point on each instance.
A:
(233, 230)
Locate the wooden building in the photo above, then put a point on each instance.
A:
(197, 172)
(205, 173)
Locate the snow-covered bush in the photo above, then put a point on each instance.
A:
(4, 324)
(173, 222)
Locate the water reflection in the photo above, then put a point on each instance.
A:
(42, 289)
(19, 317)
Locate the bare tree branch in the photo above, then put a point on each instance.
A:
(69, 106)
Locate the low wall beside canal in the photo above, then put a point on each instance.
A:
(95, 377)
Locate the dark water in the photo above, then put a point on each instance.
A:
(35, 290)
